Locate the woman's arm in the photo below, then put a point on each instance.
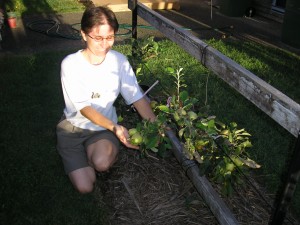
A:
(97, 118)
(144, 109)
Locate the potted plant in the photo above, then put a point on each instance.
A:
(11, 15)
(12, 19)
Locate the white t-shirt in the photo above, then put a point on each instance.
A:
(98, 86)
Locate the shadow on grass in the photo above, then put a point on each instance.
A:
(34, 188)
(38, 17)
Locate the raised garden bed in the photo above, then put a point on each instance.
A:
(153, 190)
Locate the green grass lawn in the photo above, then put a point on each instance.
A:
(34, 188)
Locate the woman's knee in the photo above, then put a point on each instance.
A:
(103, 156)
(83, 179)
(102, 164)
(84, 188)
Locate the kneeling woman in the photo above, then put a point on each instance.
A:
(88, 136)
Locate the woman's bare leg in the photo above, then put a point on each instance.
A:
(83, 179)
(102, 155)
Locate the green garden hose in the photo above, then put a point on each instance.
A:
(53, 28)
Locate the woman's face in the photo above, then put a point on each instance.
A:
(100, 40)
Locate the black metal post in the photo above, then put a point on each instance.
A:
(289, 187)
(132, 5)
(134, 19)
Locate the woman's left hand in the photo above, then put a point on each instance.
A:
(123, 135)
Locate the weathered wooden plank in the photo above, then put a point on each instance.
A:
(274, 103)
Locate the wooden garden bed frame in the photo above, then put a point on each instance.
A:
(271, 101)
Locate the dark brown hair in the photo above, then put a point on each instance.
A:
(100, 15)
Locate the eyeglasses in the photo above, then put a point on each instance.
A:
(100, 38)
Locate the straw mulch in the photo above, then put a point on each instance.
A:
(146, 191)
(156, 191)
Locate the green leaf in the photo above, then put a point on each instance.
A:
(247, 144)
(224, 132)
(222, 125)
(229, 189)
(164, 108)
(170, 70)
(187, 106)
(120, 119)
(211, 131)
(154, 149)
(245, 134)
(233, 124)
(240, 138)
(250, 163)
(152, 142)
(183, 95)
(239, 131)
(138, 70)
(211, 124)
(230, 137)
(200, 125)
(180, 133)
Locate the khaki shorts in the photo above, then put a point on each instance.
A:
(72, 143)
